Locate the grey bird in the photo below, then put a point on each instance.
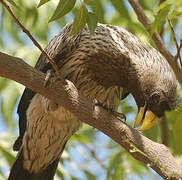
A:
(107, 67)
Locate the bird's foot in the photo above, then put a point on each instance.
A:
(114, 113)
(49, 74)
(119, 115)
(48, 104)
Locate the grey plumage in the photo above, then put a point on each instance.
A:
(102, 67)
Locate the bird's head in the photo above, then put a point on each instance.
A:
(156, 94)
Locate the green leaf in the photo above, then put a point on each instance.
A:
(166, 3)
(120, 7)
(9, 99)
(97, 8)
(173, 132)
(42, 2)
(13, 3)
(115, 168)
(81, 138)
(63, 7)
(89, 175)
(163, 5)
(7, 155)
(59, 173)
(160, 19)
(3, 83)
(74, 178)
(79, 20)
(92, 21)
(177, 133)
(153, 133)
(175, 11)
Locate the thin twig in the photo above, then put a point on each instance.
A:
(178, 51)
(93, 154)
(173, 33)
(33, 40)
(175, 40)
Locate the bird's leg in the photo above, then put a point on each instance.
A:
(52, 106)
(114, 113)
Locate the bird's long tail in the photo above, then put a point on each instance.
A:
(18, 172)
(48, 129)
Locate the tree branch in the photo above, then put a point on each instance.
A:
(176, 42)
(157, 156)
(157, 39)
(32, 39)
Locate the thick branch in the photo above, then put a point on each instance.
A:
(157, 39)
(141, 148)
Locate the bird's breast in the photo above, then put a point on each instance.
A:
(48, 129)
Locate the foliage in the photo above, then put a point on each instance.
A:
(90, 154)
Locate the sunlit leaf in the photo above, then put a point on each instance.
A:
(42, 2)
(171, 118)
(59, 173)
(13, 3)
(74, 178)
(163, 5)
(92, 21)
(175, 11)
(97, 8)
(9, 96)
(7, 155)
(148, 5)
(79, 20)
(154, 132)
(160, 19)
(177, 133)
(3, 83)
(120, 7)
(89, 175)
(63, 7)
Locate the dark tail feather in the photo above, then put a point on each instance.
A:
(19, 173)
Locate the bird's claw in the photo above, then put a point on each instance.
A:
(114, 113)
(119, 115)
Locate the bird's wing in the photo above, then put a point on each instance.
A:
(57, 48)
(61, 48)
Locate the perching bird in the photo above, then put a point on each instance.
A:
(107, 67)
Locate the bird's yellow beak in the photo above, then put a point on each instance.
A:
(147, 117)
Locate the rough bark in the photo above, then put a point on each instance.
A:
(155, 155)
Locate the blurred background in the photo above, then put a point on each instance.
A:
(89, 155)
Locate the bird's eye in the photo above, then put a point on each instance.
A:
(155, 98)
